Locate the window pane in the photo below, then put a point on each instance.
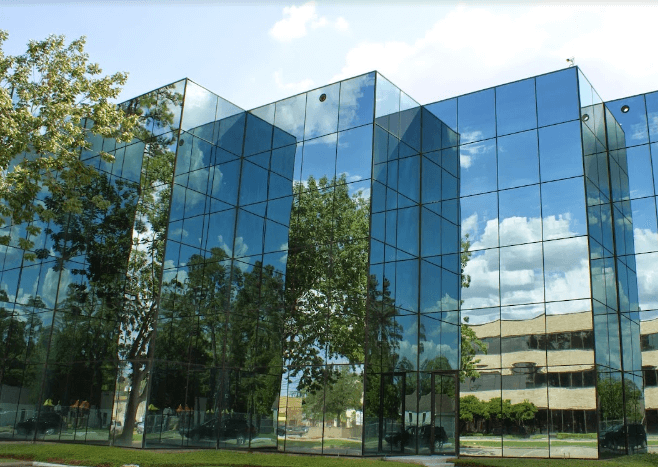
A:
(521, 274)
(560, 153)
(322, 116)
(516, 109)
(566, 269)
(640, 180)
(563, 208)
(479, 215)
(320, 158)
(478, 167)
(354, 157)
(633, 121)
(520, 215)
(557, 97)
(518, 160)
(356, 101)
(477, 119)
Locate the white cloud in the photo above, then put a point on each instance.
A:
(511, 43)
(469, 225)
(341, 24)
(293, 25)
(646, 243)
(526, 272)
(293, 88)
(297, 18)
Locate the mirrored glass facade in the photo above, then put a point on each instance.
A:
(348, 272)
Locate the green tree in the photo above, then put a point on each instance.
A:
(53, 102)
(341, 394)
(472, 409)
(110, 310)
(500, 408)
(613, 393)
(470, 345)
(326, 277)
(523, 411)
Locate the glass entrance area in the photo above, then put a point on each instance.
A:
(438, 432)
(416, 413)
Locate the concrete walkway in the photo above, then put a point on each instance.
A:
(429, 461)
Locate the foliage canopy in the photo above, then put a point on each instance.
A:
(52, 100)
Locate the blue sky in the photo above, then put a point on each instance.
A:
(255, 53)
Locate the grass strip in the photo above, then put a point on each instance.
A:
(639, 460)
(105, 456)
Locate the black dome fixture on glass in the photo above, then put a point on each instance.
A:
(323, 97)
(625, 109)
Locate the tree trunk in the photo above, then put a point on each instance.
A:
(134, 399)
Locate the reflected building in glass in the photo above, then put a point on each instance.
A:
(349, 272)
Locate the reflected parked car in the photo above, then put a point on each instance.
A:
(423, 434)
(292, 430)
(116, 427)
(47, 424)
(227, 428)
(615, 437)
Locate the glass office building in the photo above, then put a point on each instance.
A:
(349, 272)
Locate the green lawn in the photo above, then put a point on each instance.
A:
(640, 460)
(104, 456)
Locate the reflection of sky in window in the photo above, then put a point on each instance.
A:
(640, 179)
(518, 160)
(560, 151)
(446, 111)
(478, 168)
(476, 116)
(563, 208)
(645, 231)
(479, 216)
(633, 122)
(519, 215)
(320, 158)
(521, 278)
(566, 269)
(322, 117)
(354, 153)
(289, 115)
(557, 97)
(200, 106)
(408, 350)
(516, 109)
(387, 99)
(356, 101)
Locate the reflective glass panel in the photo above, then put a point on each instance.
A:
(521, 274)
(566, 269)
(356, 101)
(477, 119)
(354, 156)
(322, 116)
(560, 153)
(563, 208)
(518, 160)
(640, 179)
(557, 97)
(520, 215)
(320, 158)
(479, 215)
(478, 168)
(516, 109)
